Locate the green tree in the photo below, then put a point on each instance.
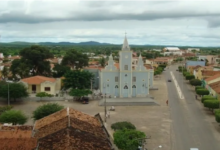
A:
(60, 70)
(5, 72)
(43, 94)
(211, 104)
(16, 90)
(13, 116)
(5, 108)
(198, 87)
(20, 67)
(126, 139)
(202, 92)
(78, 79)
(195, 82)
(190, 77)
(217, 115)
(75, 59)
(122, 125)
(36, 57)
(207, 97)
(102, 61)
(46, 109)
(79, 92)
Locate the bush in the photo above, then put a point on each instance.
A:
(198, 87)
(189, 77)
(5, 108)
(13, 116)
(122, 125)
(211, 104)
(217, 115)
(45, 110)
(202, 92)
(195, 82)
(207, 97)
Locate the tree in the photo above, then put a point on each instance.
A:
(195, 82)
(75, 59)
(20, 67)
(207, 97)
(5, 72)
(13, 116)
(126, 139)
(16, 90)
(217, 115)
(5, 108)
(189, 77)
(46, 109)
(43, 94)
(122, 125)
(78, 79)
(211, 104)
(102, 61)
(60, 70)
(198, 87)
(35, 56)
(79, 92)
(202, 92)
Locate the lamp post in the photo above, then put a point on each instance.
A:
(160, 146)
(8, 95)
(142, 141)
(105, 108)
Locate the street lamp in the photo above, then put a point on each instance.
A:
(9, 91)
(105, 108)
(160, 146)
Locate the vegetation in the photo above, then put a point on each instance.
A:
(198, 87)
(79, 92)
(190, 77)
(102, 61)
(211, 104)
(78, 79)
(16, 90)
(158, 70)
(195, 82)
(122, 125)
(13, 116)
(43, 94)
(217, 115)
(207, 97)
(127, 139)
(46, 109)
(60, 70)
(202, 92)
(5, 108)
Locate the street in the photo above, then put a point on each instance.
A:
(193, 125)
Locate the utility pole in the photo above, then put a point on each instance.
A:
(105, 108)
(8, 96)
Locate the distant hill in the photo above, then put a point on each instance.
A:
(69, 43)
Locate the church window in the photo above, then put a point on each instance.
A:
(134, 79)
(116, 79)
(126, 67)
(125, 87)
(116, 86)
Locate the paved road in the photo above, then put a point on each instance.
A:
(192, 126)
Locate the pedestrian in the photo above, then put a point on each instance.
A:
(167, 102)
(108, 114)
(196, 96)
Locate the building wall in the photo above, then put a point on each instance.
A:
(52, 86)
(195, 63)
(212, 81)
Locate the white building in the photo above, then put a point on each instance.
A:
(1, 55)
(190, 49)
(171, 49)
(178, 53)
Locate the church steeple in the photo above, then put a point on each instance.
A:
(125, 46)
(140, 64)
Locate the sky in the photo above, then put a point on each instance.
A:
(155, 22)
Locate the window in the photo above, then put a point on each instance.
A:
(47, 89)
(134, 79)
(126, 67)
(116, 79)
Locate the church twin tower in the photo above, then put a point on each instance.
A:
(128, 79)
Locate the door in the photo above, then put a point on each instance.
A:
(116, 91)
(133, 91)
(125, 91)
(34, 88)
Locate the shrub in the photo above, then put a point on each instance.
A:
(202, 92)
(198, 87)
(46, 109)
(207, 97)
(217, 115)
(195, 82)
(211, 104)
(122, 125)
(5, 108)
(13, 116)
(189, 77)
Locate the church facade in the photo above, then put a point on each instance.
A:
(127, 80)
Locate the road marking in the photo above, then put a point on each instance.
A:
(177, 86)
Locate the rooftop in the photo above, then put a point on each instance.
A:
(209, 72)
(37, 80)
(212, 77)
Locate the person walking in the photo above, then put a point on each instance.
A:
(167, 102)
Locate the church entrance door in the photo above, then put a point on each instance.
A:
(125, 91)
(133, 91)
(116, 91)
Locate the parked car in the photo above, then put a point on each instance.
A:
(169, 80)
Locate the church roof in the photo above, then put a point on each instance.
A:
(125, 46)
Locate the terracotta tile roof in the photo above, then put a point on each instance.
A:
(15, 57)
(117, 65)
(213, 77)
(209, 72)
(93, 63)
(71, 128)
(215, 85)
(37, 80)
(217, 90)
(148, 66)
(53, 60)
(17, 138)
